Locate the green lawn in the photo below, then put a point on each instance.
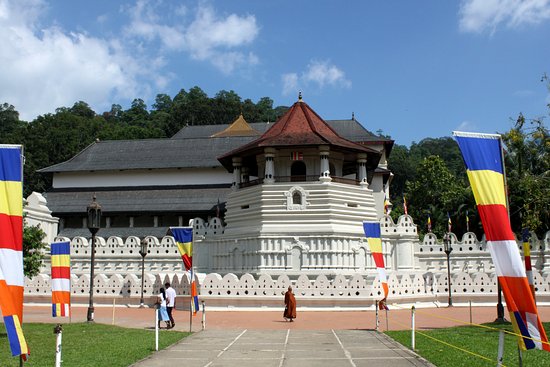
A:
(87, 345)
(480, 341)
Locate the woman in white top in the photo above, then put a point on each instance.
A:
(163, 313)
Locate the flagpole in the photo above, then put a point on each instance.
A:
(191, 300)
(500, 307)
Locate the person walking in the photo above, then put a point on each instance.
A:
(170, 303)
(162, 311)
(290, 305)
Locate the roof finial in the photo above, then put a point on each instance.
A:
(300, 96)
(353, 115)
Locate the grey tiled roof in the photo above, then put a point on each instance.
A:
(349, 129)
(191, 147)
(149, 153)
(138, 200)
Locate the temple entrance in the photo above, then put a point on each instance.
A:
(298, 171)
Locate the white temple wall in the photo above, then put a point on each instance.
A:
(160, 177)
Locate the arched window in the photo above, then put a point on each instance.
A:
(297, 198)
(298, 171)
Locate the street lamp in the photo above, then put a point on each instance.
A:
(94, 223)
(143, 252)
(448, 249)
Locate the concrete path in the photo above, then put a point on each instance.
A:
(285, 348)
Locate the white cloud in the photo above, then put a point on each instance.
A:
(43, 66)
(290, 83)
(467, 126)
(318, 74)
(208, 37)
(480, 15)
(50, 68)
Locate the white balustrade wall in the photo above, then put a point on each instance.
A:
(417, 271)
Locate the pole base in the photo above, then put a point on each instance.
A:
(90, 317)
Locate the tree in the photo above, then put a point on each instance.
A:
(527, 161)
(33, 250)
(436, 191)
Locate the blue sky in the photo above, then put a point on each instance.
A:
(411, 69)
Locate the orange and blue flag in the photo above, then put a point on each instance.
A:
(374, 239)
(482, 154)
(11, 246)
(61, 279)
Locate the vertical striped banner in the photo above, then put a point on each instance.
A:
(11, 246)
(482, 154)
(61, 279)
(296, 156)
(527, 257)
(184, 241)
(374, 239)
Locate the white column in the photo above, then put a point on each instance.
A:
(362, 167)
(236, 172)
(269, 176)
(324, 152)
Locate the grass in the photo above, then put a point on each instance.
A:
(480, 341)
(86, 345)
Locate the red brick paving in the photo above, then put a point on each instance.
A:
(398, 319)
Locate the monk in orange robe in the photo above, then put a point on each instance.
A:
(290, 305)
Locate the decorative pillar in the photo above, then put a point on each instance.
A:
(237, 162)
(269, 176)
(362, 167)
(324, 152)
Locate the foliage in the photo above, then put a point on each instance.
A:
(528, 171)
(33, 250)
(435, 191)
(87, 345)
(480, 341)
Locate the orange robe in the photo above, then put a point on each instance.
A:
(290, 306)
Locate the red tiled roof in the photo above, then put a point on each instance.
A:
(299, 126)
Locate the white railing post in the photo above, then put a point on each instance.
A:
(58, 331)
(156, 329)
(377, 320)
(203, 322)
(412, 328)
(500, 355)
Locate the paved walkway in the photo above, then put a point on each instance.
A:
(288, 348)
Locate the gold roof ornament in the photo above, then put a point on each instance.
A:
(239, 127)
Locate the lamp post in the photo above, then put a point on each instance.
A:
(448, 249)
(94, 223)
(143, 253)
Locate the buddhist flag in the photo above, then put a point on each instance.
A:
(11, 246)
(194, 295)
(429, 224)
(482, 154)
(372, 232)
(467, 222)
(184, 241)
(61, 279)
(405, 205)
(449, 223)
